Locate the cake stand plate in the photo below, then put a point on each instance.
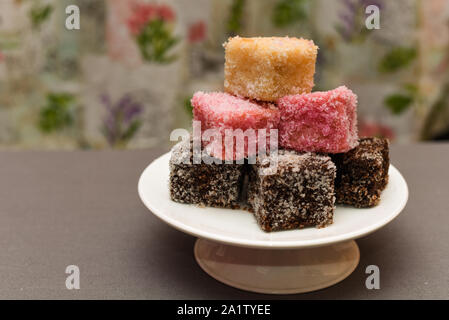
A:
(277, 271)
(234, 250)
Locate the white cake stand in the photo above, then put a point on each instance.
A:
(234, 250)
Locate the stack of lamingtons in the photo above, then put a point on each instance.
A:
(320, 160)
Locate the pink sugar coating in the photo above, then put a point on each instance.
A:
(222, 110)
(319, 121)
(218, 110)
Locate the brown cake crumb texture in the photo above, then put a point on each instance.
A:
(299, 194)
(362, 173)
(215, 185)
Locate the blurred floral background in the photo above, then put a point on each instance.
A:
(125, 79)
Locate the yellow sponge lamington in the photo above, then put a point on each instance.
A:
(267, 69)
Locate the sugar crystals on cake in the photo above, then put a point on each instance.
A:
(298, 193)
(362, 173)
(215, 185)
(268, 68)
(319, 121)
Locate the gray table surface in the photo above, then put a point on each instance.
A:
(82, 208)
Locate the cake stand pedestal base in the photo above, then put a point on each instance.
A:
(277, 271)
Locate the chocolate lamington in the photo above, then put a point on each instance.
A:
(299, 193)
(362, 173)
(214, 185)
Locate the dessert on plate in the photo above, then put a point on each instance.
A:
(300, 193)
(214, 185)
(300, 153)
(222, 111)
(319, 121)
(362, 173)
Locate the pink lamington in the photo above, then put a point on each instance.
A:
(222, 111)
(319, 121)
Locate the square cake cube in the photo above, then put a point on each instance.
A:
(214, 185)
(362, 173)
(319, 121)
(299, 193)
(222, 111)
(267, 69)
